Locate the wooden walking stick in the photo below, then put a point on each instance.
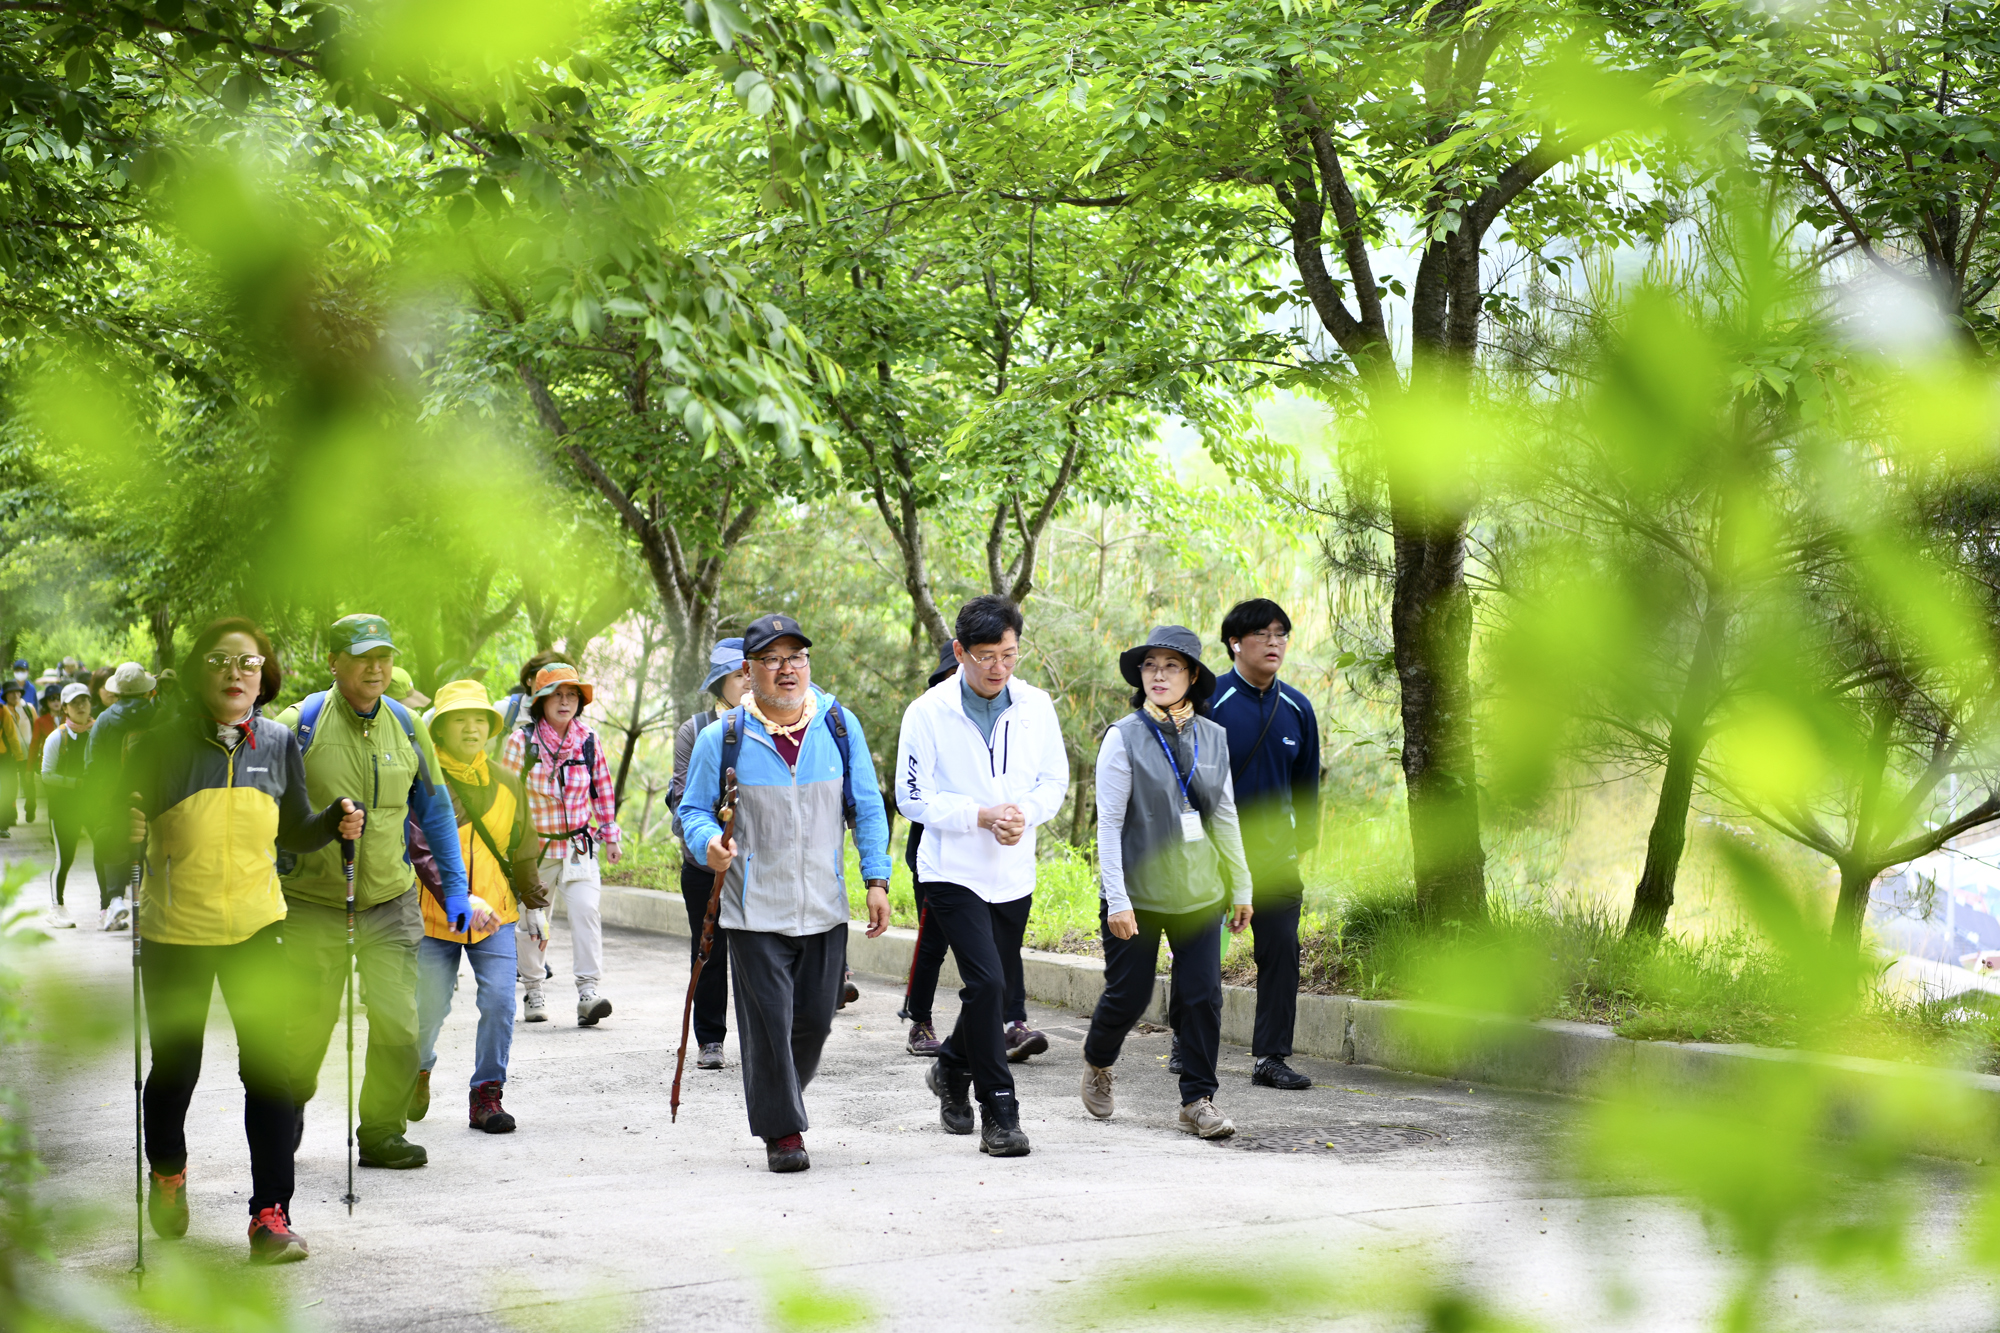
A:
(726, 812)
(347, 865)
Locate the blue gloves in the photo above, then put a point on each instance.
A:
(457, 911)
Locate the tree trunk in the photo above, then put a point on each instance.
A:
(163, 638)
(1431, 619)
(1856, 879)
(1653, 897)
(633, 729)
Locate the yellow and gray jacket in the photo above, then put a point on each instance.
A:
(215, 818)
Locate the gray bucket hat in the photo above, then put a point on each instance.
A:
(725, 659)
(1183, 641)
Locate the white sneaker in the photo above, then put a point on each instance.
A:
(532, 1009)
(590, 1006)
(58, 919)
(118, 915)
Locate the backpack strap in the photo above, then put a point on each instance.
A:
(310, 708)
(732, 746)
(836, 722)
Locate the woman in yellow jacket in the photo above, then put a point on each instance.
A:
(217, 788)
(460, 724)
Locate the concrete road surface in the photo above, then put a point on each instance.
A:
(599, 1214)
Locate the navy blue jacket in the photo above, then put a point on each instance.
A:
(1276, 779)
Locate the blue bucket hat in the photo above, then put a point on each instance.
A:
(725, 659)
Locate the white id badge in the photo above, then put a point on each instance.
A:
(1191, 830)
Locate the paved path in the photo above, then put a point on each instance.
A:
(679, 1226)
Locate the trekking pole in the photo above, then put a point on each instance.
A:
(727, 813)
(347, 867)
(138, 1089)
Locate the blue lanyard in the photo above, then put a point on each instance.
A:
(1167, 750)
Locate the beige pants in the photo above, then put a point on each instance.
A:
(573, 881)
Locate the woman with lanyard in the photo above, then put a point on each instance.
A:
(1166, 838)
(561, 764)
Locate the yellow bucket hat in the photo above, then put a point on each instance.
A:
(461, 695)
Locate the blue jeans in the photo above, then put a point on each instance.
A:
(493, 969)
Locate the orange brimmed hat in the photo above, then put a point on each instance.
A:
(555, 675)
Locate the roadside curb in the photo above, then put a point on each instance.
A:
(1962, 1109)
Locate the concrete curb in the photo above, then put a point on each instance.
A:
(1960, 1109)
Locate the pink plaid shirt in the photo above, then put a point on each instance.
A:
(564, 794)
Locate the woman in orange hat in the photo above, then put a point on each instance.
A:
(571, 804)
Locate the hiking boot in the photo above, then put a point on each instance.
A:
(1023, 1041)
(394, 1153)
(1201, 1117)
(1097, 1090)
(849, 992)
(1273, 1072)
(923, 1041)
(1000, 1128)
(590, 1006)
(533, 1009)
(953, 1089)
(420, 1096)
(487, 1113)
(709, 1056)
(167, 1204)
(272, 1240)
(58, 919)
(786, 1154)
(1174, 1065)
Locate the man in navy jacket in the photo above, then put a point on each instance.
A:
(1274, 763)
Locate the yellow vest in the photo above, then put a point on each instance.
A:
(483, 875)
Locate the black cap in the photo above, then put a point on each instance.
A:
(947, 665)
(764, 631)
(1183, 641)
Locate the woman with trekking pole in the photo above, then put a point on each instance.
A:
(215, 786)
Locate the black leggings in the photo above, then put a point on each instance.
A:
(178, 980)
(66, 821)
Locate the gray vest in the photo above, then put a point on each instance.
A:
(1163, 871)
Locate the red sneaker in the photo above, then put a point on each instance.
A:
(167, 1204)
(272, 1240)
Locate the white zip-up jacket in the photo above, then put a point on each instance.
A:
(946, 772)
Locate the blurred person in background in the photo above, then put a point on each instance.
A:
(62, 779)
(111, 737)
(728, 678)
(16, 734)
(403, 689)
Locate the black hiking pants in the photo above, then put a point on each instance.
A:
(711, 993)
(1129, 969)
(986, 942)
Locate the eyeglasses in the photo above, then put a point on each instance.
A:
(225, 664)
(1279, 637)
(1163, 668)
(797, 662)
(988, 659)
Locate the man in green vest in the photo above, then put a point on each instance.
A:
(357, 741)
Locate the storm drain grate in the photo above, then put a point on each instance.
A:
(1354, 1139)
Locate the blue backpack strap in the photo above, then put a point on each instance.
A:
(732, 746)
(836, 722)
(402, 715)
(310, 708)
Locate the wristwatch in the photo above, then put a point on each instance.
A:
(875, 884)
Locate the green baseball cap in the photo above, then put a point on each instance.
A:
(358, 634)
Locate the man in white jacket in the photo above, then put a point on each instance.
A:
(980, 764)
